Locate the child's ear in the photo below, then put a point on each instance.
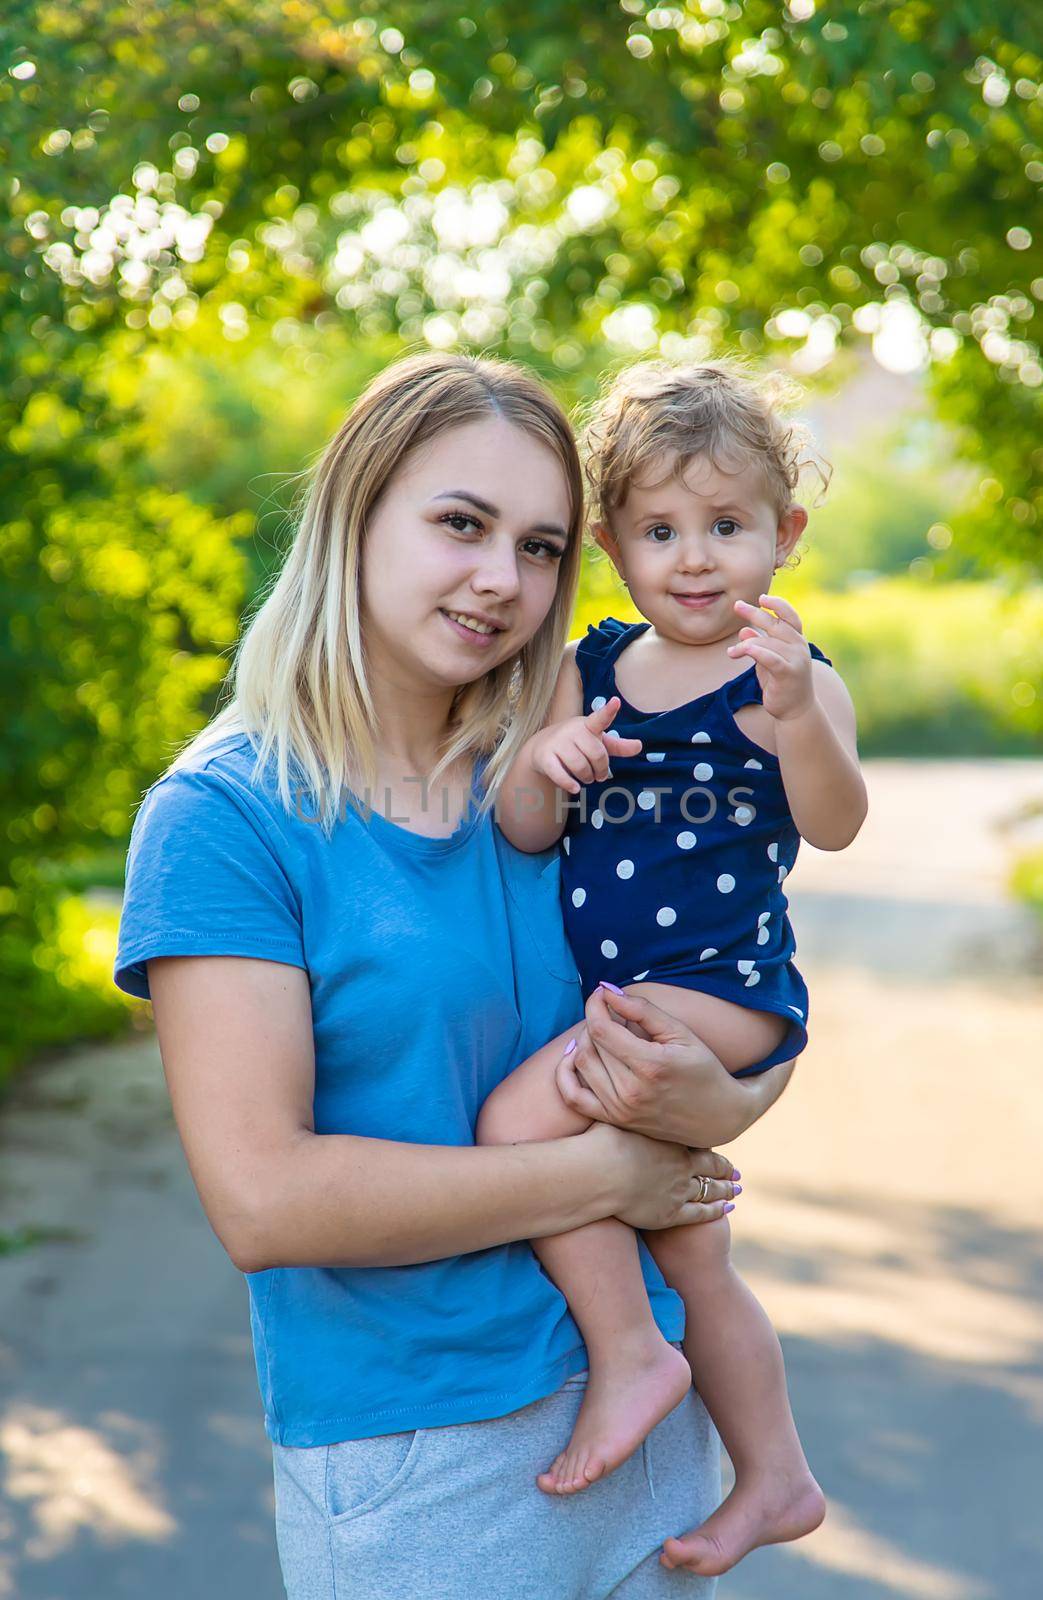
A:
(791, 525)
(606, 540)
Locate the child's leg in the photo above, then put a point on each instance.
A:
(636, 1376)
(737, 1362)
(731, 1346)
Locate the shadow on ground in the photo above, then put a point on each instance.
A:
(134, 1463)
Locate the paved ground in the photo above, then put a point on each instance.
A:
(889, 1222)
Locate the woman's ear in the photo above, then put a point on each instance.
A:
(791, 525)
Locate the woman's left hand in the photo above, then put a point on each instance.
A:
(669, 1085)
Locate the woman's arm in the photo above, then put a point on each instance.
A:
(236, 1040)
(669, 1086)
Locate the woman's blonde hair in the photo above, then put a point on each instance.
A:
(724, 410)
(299, 683)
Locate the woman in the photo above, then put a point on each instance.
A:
(345, 956)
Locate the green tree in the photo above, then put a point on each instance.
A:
(566, 184)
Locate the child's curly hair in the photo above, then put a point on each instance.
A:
(723, 409)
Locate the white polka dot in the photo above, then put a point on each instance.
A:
(773, 850)
(799, 1012)
(657, 755)
(639, 975)
(578, 897)
(764, 917)
(782, 873)
(704, 955)
(755, 766)
(763, 936)
(666, 916)
(702, 772)
(608, 949)
(743, 816)
(596, 819)
(566, 844)
(686, 840)
(597, 702)
(745, 966)
(700, 738)
(625, 869)
(726, 883)
(646, 799)
(753, 978)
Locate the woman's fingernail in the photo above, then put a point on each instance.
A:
(614, 987)
(729, 1206)
(570, 1047)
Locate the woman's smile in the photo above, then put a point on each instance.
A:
(467, 626)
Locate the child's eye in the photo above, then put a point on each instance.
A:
(455, 518)
(726, 525)
(660, 527)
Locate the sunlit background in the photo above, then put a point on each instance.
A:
(222, 219)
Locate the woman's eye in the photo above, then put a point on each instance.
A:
(726, 525)
(460, 521)
(550, 552)
(660, 527)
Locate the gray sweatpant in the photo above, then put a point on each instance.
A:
(454, 1513)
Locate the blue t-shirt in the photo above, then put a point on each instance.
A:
(436, 966)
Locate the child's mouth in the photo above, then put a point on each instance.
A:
(698, 602)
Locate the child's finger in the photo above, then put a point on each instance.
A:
(787, 612)
(759, 651)
(597, 721)
(586, 760)
(764, 620)
(621, 746)
(559, 774)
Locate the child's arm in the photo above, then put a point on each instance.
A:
(567, 752)
(814, 726)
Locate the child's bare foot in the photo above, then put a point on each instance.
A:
(626, 1397)
(767, 1511)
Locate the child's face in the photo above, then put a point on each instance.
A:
(709, 533)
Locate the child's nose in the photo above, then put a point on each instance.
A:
(695, 553)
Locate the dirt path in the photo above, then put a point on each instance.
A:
(889, 1222)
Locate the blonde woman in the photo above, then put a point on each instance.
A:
(345, 956)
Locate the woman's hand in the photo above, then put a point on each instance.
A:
(668, 1086)
(661, 1183)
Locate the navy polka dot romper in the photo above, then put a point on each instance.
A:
(672, 869)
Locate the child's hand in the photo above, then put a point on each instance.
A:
(575, 752)
(781, 655)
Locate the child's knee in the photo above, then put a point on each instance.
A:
(693, 1253)
(527, 1105)
(498, 1119)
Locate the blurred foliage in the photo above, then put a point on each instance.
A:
(1026, 880)
(223, 217)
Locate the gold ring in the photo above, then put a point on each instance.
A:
(704, 1188)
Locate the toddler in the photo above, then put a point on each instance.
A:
(733, 738)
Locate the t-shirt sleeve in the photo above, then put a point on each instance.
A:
(204, 878)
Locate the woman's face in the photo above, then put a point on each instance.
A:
(473, 525)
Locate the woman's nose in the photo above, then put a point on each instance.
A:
(496, 572)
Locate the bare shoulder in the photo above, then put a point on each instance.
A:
(567, 700)
(834, 697)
